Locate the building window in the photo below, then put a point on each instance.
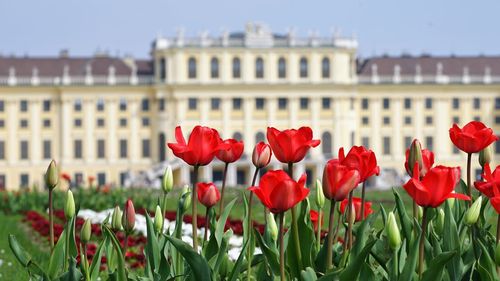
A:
(477, 118)
(387, 146)
(24, 180)
(408, 141)
(192, 103)
(145, 122)
(123, 178)
(101, 179)
(237, 103)
(260, 137)
(429, 143)
(303, 68)
(456, 119)
(46, 123)
(259, 103)
(476, 103)
(46, 105)
(407, 120)
(386, 103)
(259, 68)
(497, 103)
(387, 120)
(326, 144)
(214, 68)
(123, 104)
(455, 103)
(162, 151)
(365, 141)
(47, 149)
(407, 102)
(100, 105)
(2, 106)
(282, 103)
(161, 104)
(24, 150)
(428, 103)
(100, 122)
(145, 104)
(2, 123)
(281, 68)
(23, 123)
(326, 103)
(192, 68)
(497, 146)
(238, 136)
(428, 120)
(236, 68)
(123, 122)
(78, 122)
(163, 69)
(78, 147)
(77, 106)
(215, 103)
(146, 149)
(2, 150)
(497, 119)
(23, 105)
(304, 103)
(101, 149)
(325, 68)
(123, 149)
(456, 150)
(364, 120)
(364, 103)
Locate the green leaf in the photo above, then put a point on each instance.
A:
(486, 267)
(435, 270)
(411, 261)
(404, 219)
(152, 248)
(451, 242)
(221, 223)
(120, 273)
(96, 261)
(73, 273)
(56, 262)
(272, 256)
(198, 265)
(308, 274)
(21, 255)
(221, 253)
(355, 265)
(239, 262)
(361, 233)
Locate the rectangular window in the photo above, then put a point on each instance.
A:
(365, 120)
(2, 181)
(2, 123)
(123, 104)
(123, 149)
(46, 123)
(24, 180)
(477, 118)
(497, 146)
(304, 103)
(455, 103)
(78, 179)
(47, 149)
(386, 103)
(146, 148)
(408, 141)
(2, 150)
(23, 105)
(101, 149)
(78, 122)
(2, 106)
(326, 103)
(123, 178)
(23, 123)
(407, 103)
(387, 120)
(282, 103)
(428, 120)
(77, 106)
(192, 103)
(237, 103)
(456, 119)
(46, 105)
(161, 104)
(215, 103)
(259, 103)
(78, 147)
(387, 146)
(407, 120)
(101, 179)
(145, 122)
(100, 122)
(145, 104)
(429, 143)
(123, 122)
(476, 103)
(100, 105)
(24, 150)
(365, 141)
(364, 103)
(497, 103)
(428, 103)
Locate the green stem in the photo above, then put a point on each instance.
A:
(194, 209)
(207, 225)
(221, 203)
(164, 209)
(51, 219)
(395, 265)
(282, 248)
(329, 253)
(363, 200)
(318, 234)
(498, 228)
(86, 262)
(469, 189)
(421, 245)
(295, 228)
(125, 244)
(349, 221)
(66, 259)
(250, 232)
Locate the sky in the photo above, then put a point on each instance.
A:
(127, 27)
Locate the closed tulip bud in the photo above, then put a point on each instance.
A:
(51, 176)
(440, 221)
(86, 231)
(392, 232)
(420, 213)
(69, 207)
(168, 180)
(185, 199)
(472, 214)
(351, 216)
(116, 219)
(158, 223)
(497, 255)
(271, 226)
(415, 155)
(261, 155)
(128, 217)
(320, 197)
(485, 156)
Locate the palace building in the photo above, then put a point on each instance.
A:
(110, 117)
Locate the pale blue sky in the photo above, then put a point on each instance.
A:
(128, 26)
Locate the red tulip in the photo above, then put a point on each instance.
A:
(278, 192)
(128, 216)
(291, 146)
(261, 155)
(435, 187)
(356, 202)
(315, 219)
(339, 180)
(427, 160)
(473, 137)
(66, 177)
(491, 181)
(203, 144)
(361, 159)
(233, 153)
(208, 194)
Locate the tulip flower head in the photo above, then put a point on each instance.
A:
(472, 214)
(69, 207)
(291, 146)
(116, 221)
(272, 226)
(473, 137)
(356, 201)
(424, 157)
(490, 181)
(278, 192)
(361, 159)
(485, 156)
(158, 221)
(261, 155)
(128, 217)
(167, 183)
(320, 196)
(208, 194)
(66, 177)
(51, 176)
(86, 231)
(392, 232)
(339, 180)
(232, 153)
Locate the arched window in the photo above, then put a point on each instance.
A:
(236, 68)
(192, 68)
(237, 136)
(303, 68)
(326, 144)
(260, 137)
(281, 68)
(259, 68)
(214, 68)
(161, 147)
(325, 68)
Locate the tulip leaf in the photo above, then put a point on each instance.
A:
(222, 252)
(486, 267)
(199, 266)
(73, 274)
(152, 247)
(361, 234)
(120, 270)
(20, 253)
(404, 219)
(96, 261)
(435, 270)
(233, 276)
(351, 272)
(411, 261)
(306, 233)
(452, 243)
(56, 261)
(270, 255)
(308, 274)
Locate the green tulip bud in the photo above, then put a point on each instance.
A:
(472, 214)
(440, 221)
(185, 199)
(51, 176)
(485, 156)
(420, 213)
(351, 215)
(69, 207)
(271, 226)
(415, 156)
(497, 255)
(392, 232)
(116, 219)
(86, 231)
(320, 197)
(168, 180)
(158, 223)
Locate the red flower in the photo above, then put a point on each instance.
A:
(491, 181)
(233, 153)
(203, 144)
(339, 180)
(128, 217)
(291, 146)
(315, 219)
(435, 187)
(261, 155)
(361, 159)
(66, 177)
(356, 202)
(473, 137)
(208, 194)
(427, 160)
(278, 192)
